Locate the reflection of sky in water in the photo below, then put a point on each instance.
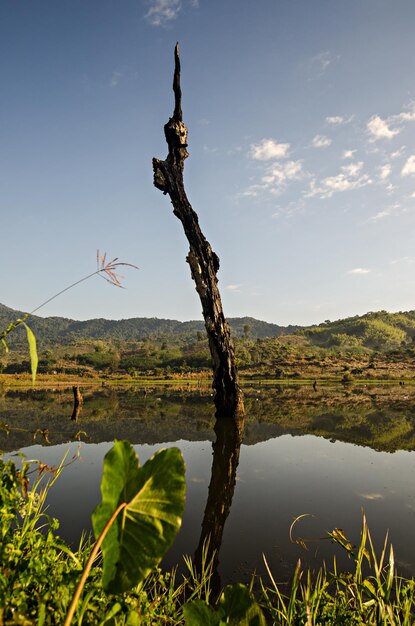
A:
(289, 476)
(278, 480)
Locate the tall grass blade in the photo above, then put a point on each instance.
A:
(391, 575)
(294, 588)
(31, 339)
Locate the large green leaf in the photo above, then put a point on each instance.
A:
(240, 607)
(198, 613)
(237, 606)
(143, 531)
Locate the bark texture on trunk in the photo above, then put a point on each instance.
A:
(204, 263)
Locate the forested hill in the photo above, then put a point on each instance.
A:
(376, 330)
(380, 330)
(61, 330)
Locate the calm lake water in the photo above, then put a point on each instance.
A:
(329, 453)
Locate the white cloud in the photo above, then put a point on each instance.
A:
(385, 171)
(359, 271)
(275, 178)
(394, 208)
(251, 192)
(379, 128)
(320, 141)
(337, 120)
(115, 79)
(341, 183)
(404, 260)
(323, 59)
(269, 149)
(280, 173)
(288, 209)
(398, 153)
(233, 287)
(318, 64)
(352, 169)
(209, 149)
(347, 180)
(409, 167)
(405, 116)
(381, 215)
(391, 126)
(348, 154)
(315, 190)
(161, 12)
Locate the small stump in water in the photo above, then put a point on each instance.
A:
(77, 402)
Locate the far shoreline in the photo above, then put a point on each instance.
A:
(194, 381)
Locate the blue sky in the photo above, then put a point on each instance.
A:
(301, 118)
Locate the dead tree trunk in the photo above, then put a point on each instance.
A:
(204, 263)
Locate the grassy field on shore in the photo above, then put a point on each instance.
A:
(197, 380)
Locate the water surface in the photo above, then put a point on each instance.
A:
(329, 453)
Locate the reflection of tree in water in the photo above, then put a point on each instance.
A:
(226, 448)
(77, 403)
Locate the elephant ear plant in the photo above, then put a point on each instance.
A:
(236, 606)
(138, 518)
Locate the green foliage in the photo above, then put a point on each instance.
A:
(372, 593)
(139, 362)
(55, 331)
(347, 377)
(239, 606)
(99, 360)
(38, 570)
(236, 606)
(35, 563)
(31, 339)
(375, 331)
(199, 613)
(344, 340)
(38, 573)
(153, 347)
(154, 497)
(243, 356)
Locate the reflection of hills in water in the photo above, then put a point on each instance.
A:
(380, 417)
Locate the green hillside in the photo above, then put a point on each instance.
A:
(380, 331)
(376, 345)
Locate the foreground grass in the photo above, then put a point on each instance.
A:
(39, 572)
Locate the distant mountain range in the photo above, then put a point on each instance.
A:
(62, 330)
(375, 330)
